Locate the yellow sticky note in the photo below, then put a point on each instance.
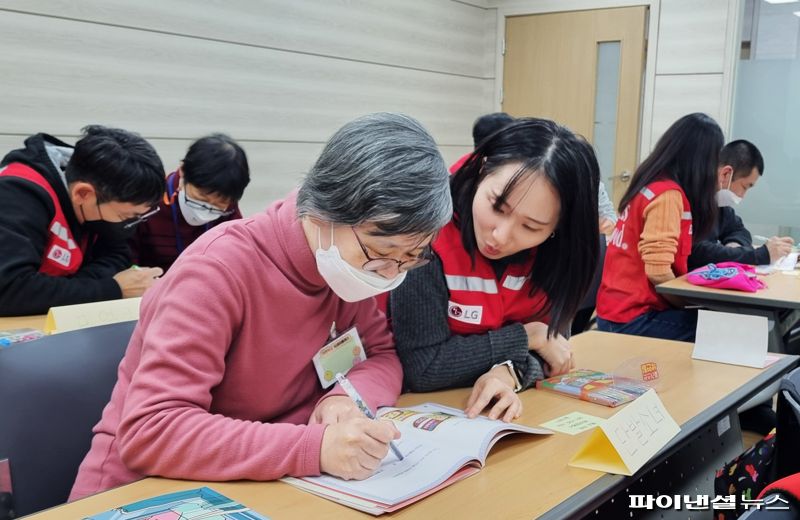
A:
(573, 423)
(624, 442)
(73, 317)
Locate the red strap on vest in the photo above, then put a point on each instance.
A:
(62, 255)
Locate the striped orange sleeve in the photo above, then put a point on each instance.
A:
(658, 242)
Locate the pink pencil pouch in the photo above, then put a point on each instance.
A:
(727, 275)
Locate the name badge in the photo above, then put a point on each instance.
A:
(339, 355)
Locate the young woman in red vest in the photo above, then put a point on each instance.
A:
(508, 273)
(670, 200)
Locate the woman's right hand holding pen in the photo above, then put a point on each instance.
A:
(354, 448)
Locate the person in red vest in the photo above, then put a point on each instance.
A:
(202, 193)
(670, 202)
(483, 127)
(509, 270)
(67, 212)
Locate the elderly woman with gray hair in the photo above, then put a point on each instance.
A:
(220, 380)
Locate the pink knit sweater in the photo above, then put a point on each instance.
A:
(217, 382)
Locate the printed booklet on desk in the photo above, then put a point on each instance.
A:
(440, 446)
(595, 387)
(201, 503)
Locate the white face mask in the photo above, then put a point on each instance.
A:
(195, 216)
(725, 197)
(349, 283)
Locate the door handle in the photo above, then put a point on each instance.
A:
(624, 176)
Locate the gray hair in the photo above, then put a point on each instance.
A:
(384, 169)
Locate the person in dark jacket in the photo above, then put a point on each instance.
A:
(740, 167)
(483, 127)
(66, 215)
(202, 193)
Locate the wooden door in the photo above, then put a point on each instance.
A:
(551, 70)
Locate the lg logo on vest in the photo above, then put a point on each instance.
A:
(59, 255)
(465, 313)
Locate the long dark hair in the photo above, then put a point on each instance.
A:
(564, 264)
(687, 153)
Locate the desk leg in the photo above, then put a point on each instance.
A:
(688, 471)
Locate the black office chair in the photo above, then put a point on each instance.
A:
(786, 457)
(792, 341)
(52, 392)
(787, 449)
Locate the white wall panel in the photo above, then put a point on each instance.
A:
(435, 35)
(679, 95)
(169, 86)
(692, 36)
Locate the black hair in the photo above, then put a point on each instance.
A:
(217, 164)
(742, 156)
(687, 153)
(565, 263)
(488, 124)
(121, 166)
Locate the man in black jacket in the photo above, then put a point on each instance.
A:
(66, 214)
(740, 167)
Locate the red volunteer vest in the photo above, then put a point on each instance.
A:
(625, 292)
(478, 301)
(459, 163)
(62, 255)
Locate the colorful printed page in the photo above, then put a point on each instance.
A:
(9, 337)
(436, 443)
(595, 387)
(194, 504)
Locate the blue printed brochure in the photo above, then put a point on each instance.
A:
(202, 503)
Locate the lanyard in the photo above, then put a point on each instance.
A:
(173, 207)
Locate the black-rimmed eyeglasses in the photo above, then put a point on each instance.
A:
(379, 264)
(194, 204)
(131, 222)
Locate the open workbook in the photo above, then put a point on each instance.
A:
(440, 446)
